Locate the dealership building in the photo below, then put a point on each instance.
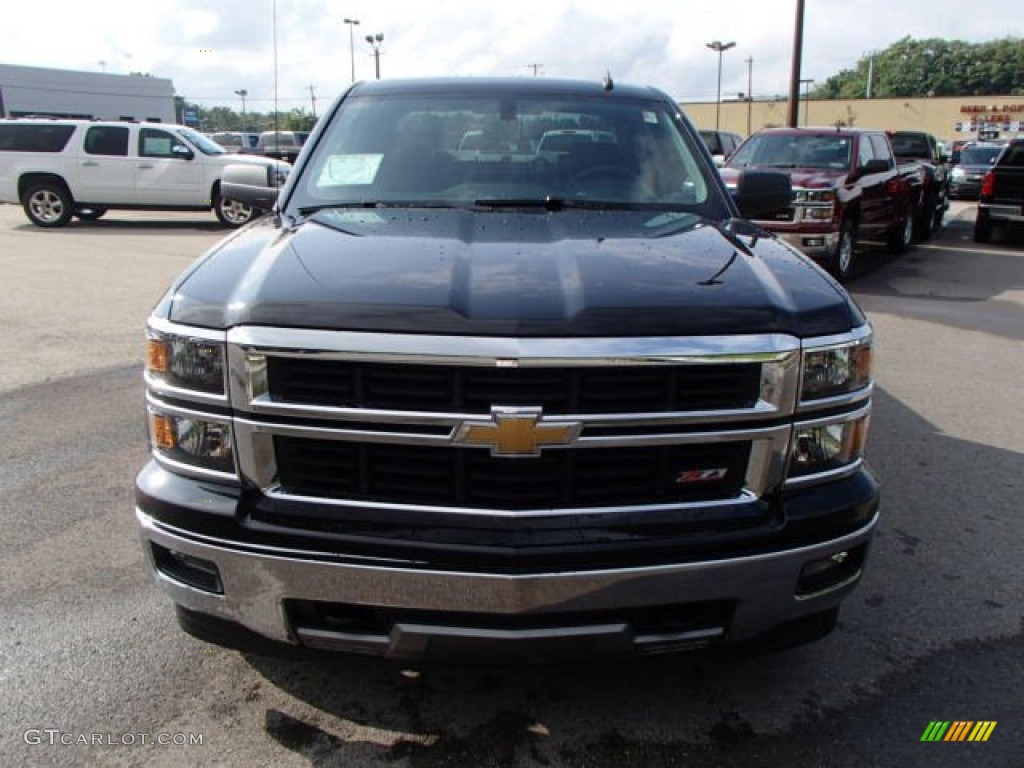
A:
(91, 95)
(947, 118)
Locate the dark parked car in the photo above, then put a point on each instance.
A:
(721, 144)
(975, 161)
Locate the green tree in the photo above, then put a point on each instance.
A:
(932, 67)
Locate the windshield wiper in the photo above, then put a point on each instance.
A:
(550, 203)
(374, 204)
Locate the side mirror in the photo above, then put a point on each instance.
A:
(253, 185)
(759, 193)
(182, 152)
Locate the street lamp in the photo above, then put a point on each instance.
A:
(351, 45)
(242, 94)
(375, 41)
(719, 47)
(807, 102)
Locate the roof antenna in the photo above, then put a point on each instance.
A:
(608, 84)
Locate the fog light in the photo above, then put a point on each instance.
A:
(829, 573)
(193, 571)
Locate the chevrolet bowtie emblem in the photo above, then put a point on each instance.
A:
(516, 432)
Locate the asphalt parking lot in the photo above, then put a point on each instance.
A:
(89, 648)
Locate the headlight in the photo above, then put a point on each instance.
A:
(185, 362)
(822, 447)
(814, 196)
(194, 440)
(958, 173)
(836, 370)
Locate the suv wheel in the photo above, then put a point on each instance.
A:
(231, 212)
(48, 204)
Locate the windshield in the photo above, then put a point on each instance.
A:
(795, 151)
(203, 143)
(504, 150)
(979, 155)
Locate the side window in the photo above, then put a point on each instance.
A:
(157, 143)
(863, 151)
(880, 148)
(107, 140)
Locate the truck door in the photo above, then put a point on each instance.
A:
(106, 172)
(876, 200)
(167, 171)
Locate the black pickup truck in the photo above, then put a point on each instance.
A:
(924, 149)
(469, 393)
(1001, 200)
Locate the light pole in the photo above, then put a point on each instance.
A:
(242, 93)
(750, 91)
(719, 47)
(375, 41)
(807, 102)
(351, 45)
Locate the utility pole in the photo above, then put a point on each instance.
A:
(807, 101)
(794, 74)
(312, 97)
(750, 90)
(351, 45)
(534, 67)
(375, 41)
(719, 47)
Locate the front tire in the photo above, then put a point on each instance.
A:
(902, 235)
(232, 213)
(48, 204)
(840, 263)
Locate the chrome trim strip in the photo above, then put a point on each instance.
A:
(162, 325)
(762, 410)
(854, 577)
(822, 477)
(850, 398)
(494, 350)
(161, 388)
(818, 343)
(745, 497)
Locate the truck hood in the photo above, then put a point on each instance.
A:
(804, 178)
(565, 273)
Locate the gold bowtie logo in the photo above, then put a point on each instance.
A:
(516, 432)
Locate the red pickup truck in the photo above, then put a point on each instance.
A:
(847, 186)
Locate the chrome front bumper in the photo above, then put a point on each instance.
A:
(816, 245)
(257, 582)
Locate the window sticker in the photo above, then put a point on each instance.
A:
(156, 145)
(651, 118)
(349, 169)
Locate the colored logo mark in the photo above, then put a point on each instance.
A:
(958, 730)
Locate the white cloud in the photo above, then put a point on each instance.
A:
(211, 50)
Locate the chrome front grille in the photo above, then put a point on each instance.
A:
(396, 421)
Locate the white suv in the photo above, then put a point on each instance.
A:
(57, 169)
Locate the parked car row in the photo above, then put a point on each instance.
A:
(281, 145)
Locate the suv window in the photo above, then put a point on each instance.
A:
(34, 138)
(106, 140)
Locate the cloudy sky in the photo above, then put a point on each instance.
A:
(211, 49)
